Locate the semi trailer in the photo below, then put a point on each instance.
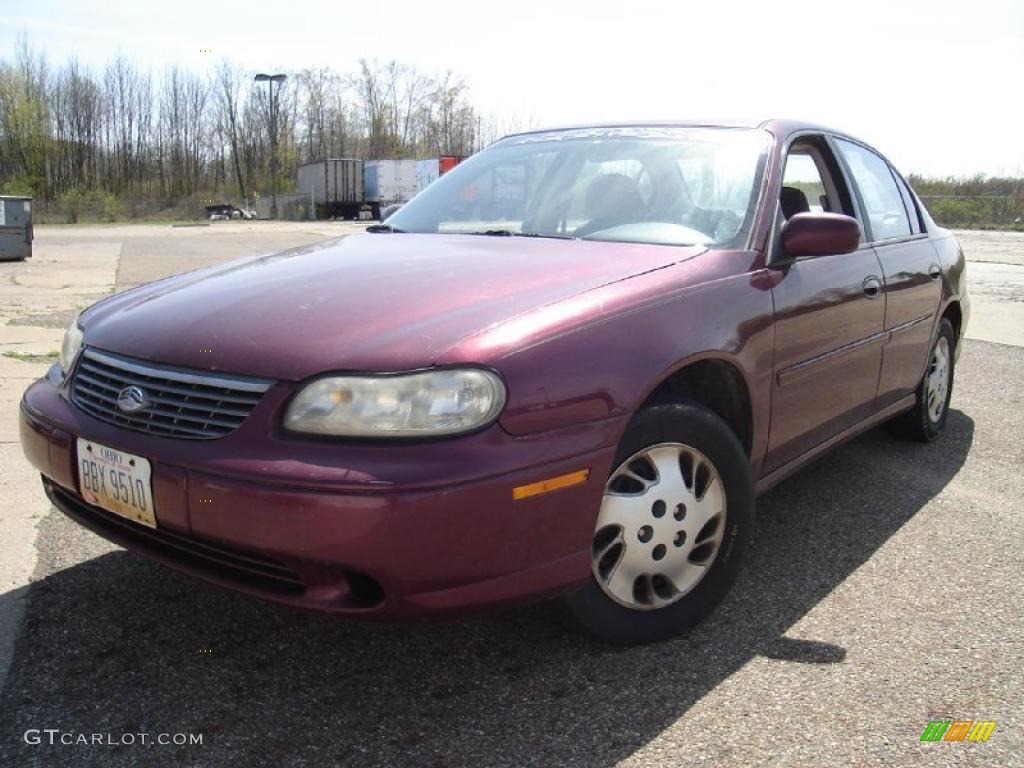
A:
(346, 188)
(429, 171)
(387, 182)
(336, 184)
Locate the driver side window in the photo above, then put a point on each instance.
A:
(812, 181)
(802, 187)
(807, 185)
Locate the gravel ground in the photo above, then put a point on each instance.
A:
(883, 591)
(1002, 247)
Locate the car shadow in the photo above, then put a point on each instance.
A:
(118, 645)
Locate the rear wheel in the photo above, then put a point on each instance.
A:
(926, 420)
(674, 525)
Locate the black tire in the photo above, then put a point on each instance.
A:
(917, 424)
(702, 430)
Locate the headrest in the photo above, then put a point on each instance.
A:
(793, 201)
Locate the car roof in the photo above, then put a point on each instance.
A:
(780, 127)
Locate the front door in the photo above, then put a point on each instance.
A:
(829, 319)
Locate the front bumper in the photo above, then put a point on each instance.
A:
(327, 525)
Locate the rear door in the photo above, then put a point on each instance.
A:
(909, 263)
(829, 315)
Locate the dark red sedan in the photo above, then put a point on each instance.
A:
(566, 367)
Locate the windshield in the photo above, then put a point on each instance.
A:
(672, 186)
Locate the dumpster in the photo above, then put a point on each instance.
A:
(15, 227)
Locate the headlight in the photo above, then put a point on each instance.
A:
(442, 402)
(70, 347)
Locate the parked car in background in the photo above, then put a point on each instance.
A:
(224, 212)
(567, 367)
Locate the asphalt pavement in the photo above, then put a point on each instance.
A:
(884, 590)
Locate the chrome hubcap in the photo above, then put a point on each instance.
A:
(661, 524)
(937, 382)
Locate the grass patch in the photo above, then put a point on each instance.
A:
(32, 357)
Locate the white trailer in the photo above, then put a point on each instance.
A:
(336, 185)
(429, 171)
(387, 182)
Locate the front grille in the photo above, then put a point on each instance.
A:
(245, 567)
(182, 403)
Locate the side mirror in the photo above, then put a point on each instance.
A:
(391, 209)
(820, 234)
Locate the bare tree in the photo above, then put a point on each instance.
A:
(372, 93)
(229, 86)
(25, 119)
(127, 133)
(451, 122)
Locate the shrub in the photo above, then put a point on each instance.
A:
(111, 207)
(71, 202)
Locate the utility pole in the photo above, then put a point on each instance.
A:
(271, 79)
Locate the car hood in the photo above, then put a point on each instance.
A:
(384, 302)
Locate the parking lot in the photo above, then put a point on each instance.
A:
(884, 590)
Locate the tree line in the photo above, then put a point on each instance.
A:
(975, 202)
(71, 134)
(124, 131)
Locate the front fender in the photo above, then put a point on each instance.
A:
(610, 365)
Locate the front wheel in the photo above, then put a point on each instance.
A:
(673, 528)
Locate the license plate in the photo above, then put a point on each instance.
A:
(118, 482)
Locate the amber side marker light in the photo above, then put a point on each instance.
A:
(551, 484)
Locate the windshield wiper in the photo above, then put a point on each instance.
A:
(386, 228)
(510, 233)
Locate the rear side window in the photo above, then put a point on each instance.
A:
(908, 201)
(883, 203)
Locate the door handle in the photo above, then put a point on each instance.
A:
(934, 272)
(872, 287)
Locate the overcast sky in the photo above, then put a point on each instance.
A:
(938, 86)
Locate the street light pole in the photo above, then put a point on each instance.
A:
(270, 80)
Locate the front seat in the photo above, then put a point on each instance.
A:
(792, 202)
(612, 199)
